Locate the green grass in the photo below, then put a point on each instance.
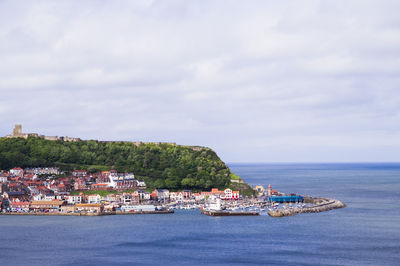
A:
(243, 188)
(233, 176)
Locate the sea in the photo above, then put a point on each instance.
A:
(366, 232)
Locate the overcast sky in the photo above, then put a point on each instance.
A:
(257, 81)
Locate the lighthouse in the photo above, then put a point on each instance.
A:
(269, 190)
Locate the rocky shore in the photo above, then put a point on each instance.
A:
(321, 205)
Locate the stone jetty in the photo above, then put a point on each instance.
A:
(320, 205)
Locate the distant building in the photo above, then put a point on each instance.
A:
(17, 133)
(87, 207)
(260, 190)
(21, 206)
(79, 173)
(285, 198)
(74, 199)
(160, 194)
(17, 171)
(43, 171)
(94, 199)
(47, 205)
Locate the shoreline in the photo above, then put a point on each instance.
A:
(87, 214)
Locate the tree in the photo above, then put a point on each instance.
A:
(188, 182)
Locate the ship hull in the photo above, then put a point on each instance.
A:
(225, 213)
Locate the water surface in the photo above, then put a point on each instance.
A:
(367, 232)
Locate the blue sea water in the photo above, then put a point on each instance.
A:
(367, 232)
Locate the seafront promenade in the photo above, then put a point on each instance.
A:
(87, 213)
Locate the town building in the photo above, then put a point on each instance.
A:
(74, 199)
(160, 194)
(19, 206)
(88, 207)
(79, 173)
(92, 199)
(17, 171)
(47, 205)
(43, 171)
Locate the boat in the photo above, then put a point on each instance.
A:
(228, 213)
(215, 209)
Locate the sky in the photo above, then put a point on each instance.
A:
(257, 81)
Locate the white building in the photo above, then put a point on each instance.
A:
(94, 199)
(38, 197)
(17, 171)
(75, 199)
(49, 197)
(3, 179)
(141, 183)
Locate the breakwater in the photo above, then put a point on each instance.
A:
(320, 205)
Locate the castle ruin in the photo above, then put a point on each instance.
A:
(17, 133)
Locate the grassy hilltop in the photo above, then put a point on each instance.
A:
(160, 165)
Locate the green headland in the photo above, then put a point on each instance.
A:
(160, 165)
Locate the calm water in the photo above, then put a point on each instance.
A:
(367, 232)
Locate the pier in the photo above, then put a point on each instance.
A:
(321, 205)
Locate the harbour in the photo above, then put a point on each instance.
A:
(363, 233)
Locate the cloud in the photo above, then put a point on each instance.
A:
(261, 81)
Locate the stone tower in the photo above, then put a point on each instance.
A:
(17, 130)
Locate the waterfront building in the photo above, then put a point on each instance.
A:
(285, 198)
(127, 198)
(198, 196)
(227, 194)
(160, 194)
(180, 195)
(74, 199)
(230, 195)
(47, 205)
(19, 206)
(94, 199)
(68, 208)
(111, 198)
(142, 195)
(88, 207)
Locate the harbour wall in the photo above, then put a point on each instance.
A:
(86, 213)
(321, 205)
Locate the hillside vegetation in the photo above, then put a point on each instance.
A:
(160, 165)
